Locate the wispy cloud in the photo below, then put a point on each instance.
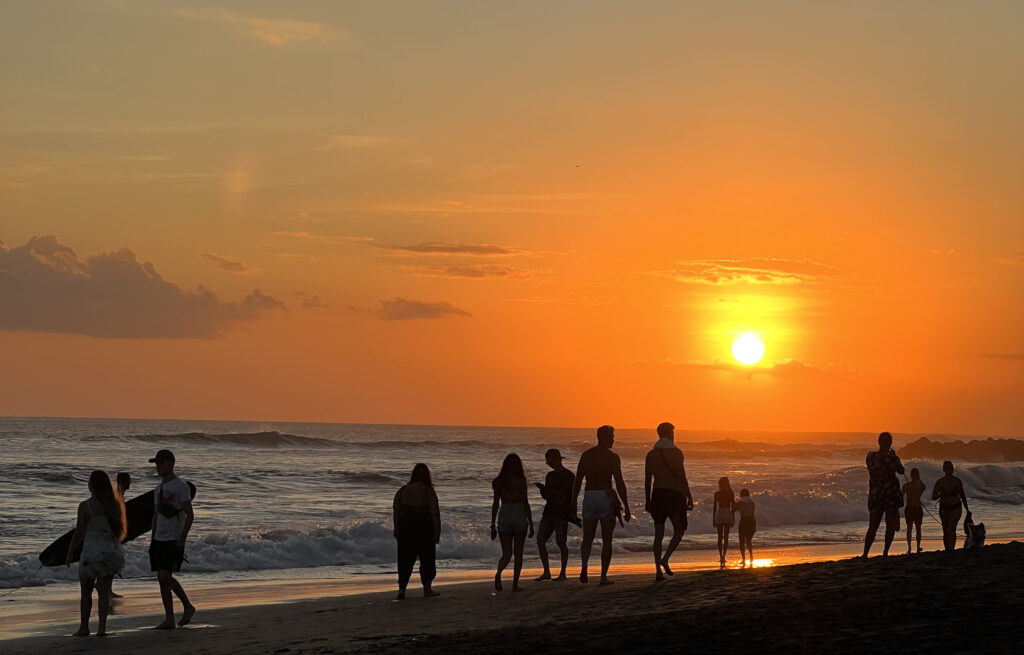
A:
(757, 270)
(45, 287)
(273, 31)
(303, 234)
(470, 271)
(229, 265)
(1017, 260)
(310, 301)
(788, 369)
(403, 309)
(450, 248)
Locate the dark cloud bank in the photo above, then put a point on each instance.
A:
(45, 287)
(403, 309)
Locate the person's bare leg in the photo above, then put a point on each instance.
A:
(743, 552)
(542, 551)
(750, 550)
(506, 554)
(589, 531)
(563, 551)
(103, 589)
(725, 543)
(918, 525)
(85, 606)
(519, 539)
(659, 534)
(869, 538)
(890, 531)
(721, 557)
(188, 608)
(673, 543)
(164, 578)
(910, 529)
(607, 535)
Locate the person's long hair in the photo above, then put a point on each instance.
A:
(113, 507)
(725, 495)
(511, 468)
(420, 473)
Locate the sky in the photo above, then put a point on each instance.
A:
(529, 213)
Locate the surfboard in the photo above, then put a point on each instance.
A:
(139, 512)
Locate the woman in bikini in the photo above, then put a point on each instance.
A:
(722, 511)
(510, 517)
(949, 491)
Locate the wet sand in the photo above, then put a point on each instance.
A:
(954, 602)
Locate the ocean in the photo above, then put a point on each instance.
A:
(293, 501)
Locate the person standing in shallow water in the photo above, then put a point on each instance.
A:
(884, 495)
(598, 466)
(914, 512)
(666, 495)
(417, 517)
(510, 517)
(949, 491)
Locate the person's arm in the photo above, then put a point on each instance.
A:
(620, 486)
(577, 484)
(686, 483)
(648, 477)
(394, 513)
(529, 515)
(435, 514)
(963, 497)
(714, 510)
(79, 535)
(898, 464)
(186, 509)
(494, 512)
(935, 490)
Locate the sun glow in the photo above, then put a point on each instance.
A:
(748, 349)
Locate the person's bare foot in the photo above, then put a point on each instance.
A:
(583, 577)
(665, 567)
(659, 577)
(401, 595)
(165, 626)
(542, 577)
(497, 583)
(430, 593)
(102, 633)
(561, 577)
(186, 616)
(606, 581)
(114, 594)
(516, 587)
(920, 550)
(82, 632)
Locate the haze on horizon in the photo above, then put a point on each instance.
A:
(515, 214)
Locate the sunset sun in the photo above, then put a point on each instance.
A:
(748, 349)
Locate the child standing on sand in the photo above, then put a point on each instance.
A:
(748, 526)
(722, 513)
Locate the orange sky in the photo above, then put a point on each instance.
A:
(535, 214)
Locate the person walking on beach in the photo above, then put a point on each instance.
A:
(100, 529)
(171, 522)
(949, 491)
(914, 512)
(884, 495)
(556, 490)
(722, 512)
(417, 517)
(598, 465)
(510, 517)
(666, 495)
(748, 526)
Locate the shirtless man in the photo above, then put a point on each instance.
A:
(598, 466)
(914, 512)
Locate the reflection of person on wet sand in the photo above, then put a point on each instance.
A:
(510, 517)
(723, 516)
(884, 495)
(598, 465)
(949, 491)
(914, 512)
(417, 529)
(666, 495)
(556, 490)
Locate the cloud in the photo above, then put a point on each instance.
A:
(1017, 260)
(229, 265)
(302, 234)
(274, 31)
(788, 369)
(756, 270)
(356, 142)
(45, 287)
(403, 309)
(310, 301)
(449, 248)
(471, 271)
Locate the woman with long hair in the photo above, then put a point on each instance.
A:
(417, 529)
(722, 516)
(510, 517)
(101, 528)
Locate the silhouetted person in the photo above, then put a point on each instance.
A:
(748, 526)
(171, 522)
(510, 517)
(598, 465)
(949, 491)
(418, 529)
(557, 491)
(101, 527)
(914, 512)
(666, 495)
(884, 495)
(722, 511)
(124, 482)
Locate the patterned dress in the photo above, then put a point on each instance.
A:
(884, 492)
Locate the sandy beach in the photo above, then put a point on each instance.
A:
(960, 601)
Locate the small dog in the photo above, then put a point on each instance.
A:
(975, 533)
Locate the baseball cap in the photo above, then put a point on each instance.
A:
(162, 455)
(553, 452)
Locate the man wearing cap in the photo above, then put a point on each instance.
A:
(556, 490)
(172, 520)
(667, 494)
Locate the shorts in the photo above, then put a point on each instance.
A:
(552, 525)
(748, 526)
(914, 514)
(165, 556)
(596, 505)
(512, 518)
(724, 516)
(666, 504)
